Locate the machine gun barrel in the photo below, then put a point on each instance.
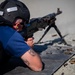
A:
(53, 15)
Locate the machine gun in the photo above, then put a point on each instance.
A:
(41, 23)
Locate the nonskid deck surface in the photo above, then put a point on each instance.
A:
(52, 56)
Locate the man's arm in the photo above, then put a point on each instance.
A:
(19, 48)
(32, 60)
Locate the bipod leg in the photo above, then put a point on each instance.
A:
(55, 27)
(44, 34)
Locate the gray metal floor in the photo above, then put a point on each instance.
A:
(52, 56)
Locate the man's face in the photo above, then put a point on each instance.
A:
(18, 25)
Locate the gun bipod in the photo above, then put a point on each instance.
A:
(57, 30)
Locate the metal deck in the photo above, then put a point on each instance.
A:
(52, 56)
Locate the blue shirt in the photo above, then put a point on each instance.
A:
(13, 43)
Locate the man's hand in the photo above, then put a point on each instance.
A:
(30, 41)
